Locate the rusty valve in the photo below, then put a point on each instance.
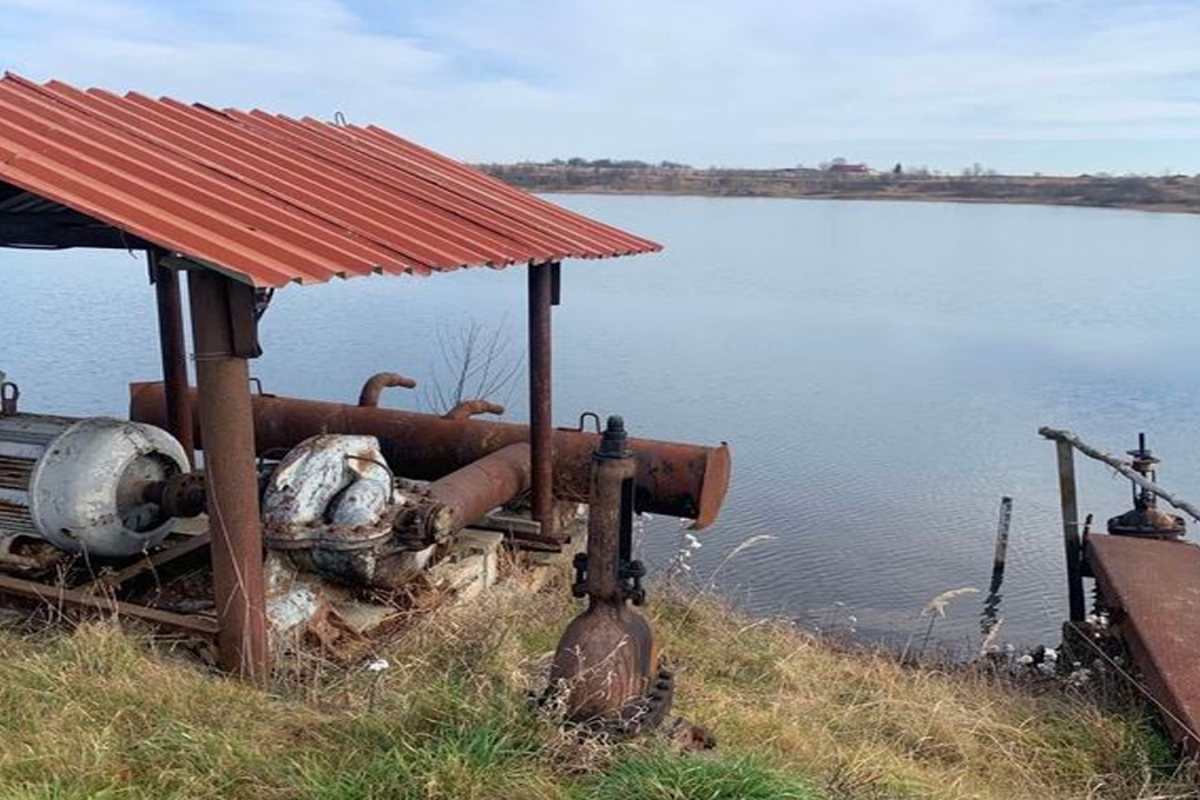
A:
(606, 671)
(1145, 518)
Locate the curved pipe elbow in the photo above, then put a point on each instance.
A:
(471, 408)
(369, 396)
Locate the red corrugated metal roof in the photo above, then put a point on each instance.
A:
(276, 199)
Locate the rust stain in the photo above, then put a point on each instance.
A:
(1155, 584)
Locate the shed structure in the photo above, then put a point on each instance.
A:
(245, 203)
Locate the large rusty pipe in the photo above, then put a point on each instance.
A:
(174, 353)
(674, 479)
(541, 408)
(470, 492)
(227, 421)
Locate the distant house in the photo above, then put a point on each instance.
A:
(848, 169)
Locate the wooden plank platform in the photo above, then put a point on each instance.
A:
(1154, 588)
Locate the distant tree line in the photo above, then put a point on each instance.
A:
(614, 163)
(1172, 192)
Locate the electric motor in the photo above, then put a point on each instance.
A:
(81, 484)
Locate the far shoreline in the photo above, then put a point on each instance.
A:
(1162, 195)
(1184, 210)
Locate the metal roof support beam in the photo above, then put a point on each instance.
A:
(543, 296)
(49, 235)
(222, 310)
(174, 352)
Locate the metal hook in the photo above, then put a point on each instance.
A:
(585, 415)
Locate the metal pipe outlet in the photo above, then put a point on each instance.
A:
(673, 479)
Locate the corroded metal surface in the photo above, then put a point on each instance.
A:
(335, 507)
(541, 407)
(329, 505)
(373, 388)
(473, 408)
(231, 478)
(606, 669)
(1154, 586)
(273, 199)
(470, 492)
(173, 350)
(675, 479)
(328, 487)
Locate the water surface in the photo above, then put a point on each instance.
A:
(879, 369)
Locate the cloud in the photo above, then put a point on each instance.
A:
(706, 81)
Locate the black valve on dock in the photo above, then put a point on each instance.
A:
(1145, 519)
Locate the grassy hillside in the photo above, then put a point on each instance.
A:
(95, 713)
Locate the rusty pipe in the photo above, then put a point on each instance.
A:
(613, 466)
(472, 408)
(674, 479)
(369, 396)
(468, 493)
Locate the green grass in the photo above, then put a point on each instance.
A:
(97, 714)
(665, 776)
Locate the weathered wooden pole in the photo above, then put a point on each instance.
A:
(542, 280)
(174, 352)
(1071, 539)
(1000, 556)
(223, 328)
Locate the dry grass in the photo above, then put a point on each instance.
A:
(96, 714)
(861, 725)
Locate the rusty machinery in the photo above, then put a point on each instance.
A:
(337, 509)
(111, 488)
(364, 495)
(673, 479)
(606, 670)
(327, 506)
(1145, 518)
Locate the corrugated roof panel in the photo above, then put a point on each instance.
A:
(155, 175)
(497, 192)
(274, 199)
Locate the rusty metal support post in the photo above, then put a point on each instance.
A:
(1071, 538)
(541, 422)
(174, 353)
(222, 312)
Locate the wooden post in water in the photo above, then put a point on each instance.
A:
(1001, 554)
(1071, 541)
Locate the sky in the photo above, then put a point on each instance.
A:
(1020, 86)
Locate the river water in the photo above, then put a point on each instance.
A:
(879, 370)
